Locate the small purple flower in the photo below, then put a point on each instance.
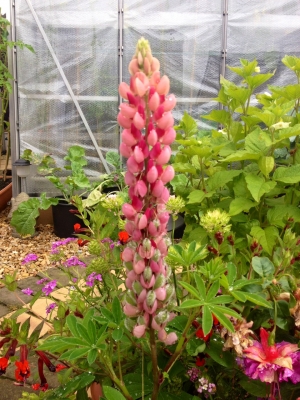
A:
(47, 289)
(27, 291)
(74, 280)
(41, 281)
(92, 278)
(50, 308)
(59, 243)
(73, 261)
(29, 258)
(193, 373)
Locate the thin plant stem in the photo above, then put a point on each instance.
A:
(119, 362)
(155, 371)
(143, 383)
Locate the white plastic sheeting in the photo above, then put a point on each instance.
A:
(68, 89)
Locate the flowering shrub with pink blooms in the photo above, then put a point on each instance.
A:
(213, 316)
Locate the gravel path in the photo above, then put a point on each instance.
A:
(13, 250)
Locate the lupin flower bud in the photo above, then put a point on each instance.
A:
(148, 133)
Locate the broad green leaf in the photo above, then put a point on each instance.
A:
(266, 165)
(263, 266)
(221, 116)
(113, 158)
(239, 205)
(257, 141)
(133, 383)
(255, 387)
(191, 304)
(188, 125)
(207, 320)
(258, 186)
(266, 117)
(216, 352)
(287, 174)
(280, 214)
(77, 383)
(112, 394)
(241, 94)
(266, 237)
(292, 62)
(242, 155)
(117, 334)
(24, 217)
(257, 80)
(196, 196)
(219, 179)
(184, 167)
(82, 394)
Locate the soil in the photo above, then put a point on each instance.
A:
(5, 183)
(13, 250)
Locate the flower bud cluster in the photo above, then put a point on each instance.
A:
(148, 132)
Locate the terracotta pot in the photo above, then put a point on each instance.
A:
(96, 391)
(5, 196)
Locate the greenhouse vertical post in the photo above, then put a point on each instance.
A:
(120, 48)
(13, 101)
(224, 40)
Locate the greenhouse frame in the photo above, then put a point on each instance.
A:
(67, 91)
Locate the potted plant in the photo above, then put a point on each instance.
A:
(64, 212)
(5, 90)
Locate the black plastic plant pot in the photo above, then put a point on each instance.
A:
(179, 227)
(64, 220)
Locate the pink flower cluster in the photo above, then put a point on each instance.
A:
(148, 132)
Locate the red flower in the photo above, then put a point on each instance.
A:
(59, 367)
(42, 387)
(23, 371)
(200, 361)
(82, 242)
(215, 320)
(200, 335)
(123, 237)
(3, 365)
(77, 227)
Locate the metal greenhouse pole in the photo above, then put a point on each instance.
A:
(51, 50)
(224, 37)
(13, 102)
(121, 53)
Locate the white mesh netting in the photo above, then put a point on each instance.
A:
(186, 36)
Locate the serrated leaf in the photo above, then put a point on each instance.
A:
(239, 205)
(196, 196)
(257, 186)
(266, 237)
(221, 178)
(287, 174)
